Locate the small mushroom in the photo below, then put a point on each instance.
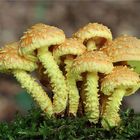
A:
(18, 65)
(41, 37)
(121, 82)
(94, 35)
(70, 49)
(91, 62)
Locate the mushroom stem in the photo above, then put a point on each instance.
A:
(112, 108)
(35, 91)
(91, 104)
(91, 45)
(57, 80)
(72, 87)
(103, 102)
(73, 93)
(68, 63)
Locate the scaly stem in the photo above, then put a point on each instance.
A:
(91, 104)
(112, 108)
(73, 93)
(72, 88)
(91, 45)
(68, 63)
(35, 91)
(103, 102)
(57, 80)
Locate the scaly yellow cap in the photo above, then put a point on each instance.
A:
(95, 32)
(40, 35)
(9, 59)
(121, 77)
(123, 48)
(71, 46)
(92, 61)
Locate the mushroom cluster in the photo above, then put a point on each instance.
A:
(87, 74)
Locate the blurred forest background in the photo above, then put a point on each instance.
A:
(121, 16)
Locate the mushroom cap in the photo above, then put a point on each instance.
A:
(92, 61)
(9, 59)
(40, 35)
(92, 30)
(123, 48)
(71, 46)
(121, 77)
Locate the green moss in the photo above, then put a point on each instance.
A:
(35, 127)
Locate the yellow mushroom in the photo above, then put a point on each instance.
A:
(121, 82)
(70, 49)
(91, 62)
(122, 49)
(41, 37)
(93, 35)
(18, 65)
